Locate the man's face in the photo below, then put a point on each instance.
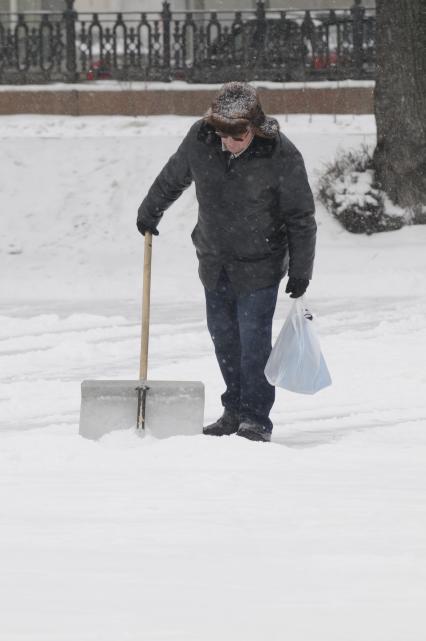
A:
(238, 142)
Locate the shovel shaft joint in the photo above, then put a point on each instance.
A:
(142, 391)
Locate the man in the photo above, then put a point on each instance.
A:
(255, 222)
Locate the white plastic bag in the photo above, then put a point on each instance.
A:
(296, 362)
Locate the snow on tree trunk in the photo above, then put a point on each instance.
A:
(400, 101)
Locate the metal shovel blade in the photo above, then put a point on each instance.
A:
(172, 407)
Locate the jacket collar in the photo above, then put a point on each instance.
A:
(262, 147)
(259, 147)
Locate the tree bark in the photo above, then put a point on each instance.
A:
(400, 101)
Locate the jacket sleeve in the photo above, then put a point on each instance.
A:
(173, 179)
(298, 209)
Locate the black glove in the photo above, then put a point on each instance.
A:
(296, 287)
(146, 228)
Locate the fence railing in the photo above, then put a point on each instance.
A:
(197, 46)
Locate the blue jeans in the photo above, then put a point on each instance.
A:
(241, 330)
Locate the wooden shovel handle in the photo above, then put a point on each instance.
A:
(146, 298)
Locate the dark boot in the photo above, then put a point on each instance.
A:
(254, 431)
(227, 424)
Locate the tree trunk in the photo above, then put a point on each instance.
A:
(400, 101)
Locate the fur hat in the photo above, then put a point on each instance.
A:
(237, 106)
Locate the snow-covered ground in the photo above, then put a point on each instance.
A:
(319, 535)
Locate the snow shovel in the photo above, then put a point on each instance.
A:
(161, 408)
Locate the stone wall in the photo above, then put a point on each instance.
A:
(188, 102)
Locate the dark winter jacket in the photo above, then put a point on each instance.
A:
(256, 212)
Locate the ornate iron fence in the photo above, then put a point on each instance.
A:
(198, 46)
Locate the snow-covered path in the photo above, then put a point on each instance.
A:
(319, 535)
(374, 353)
